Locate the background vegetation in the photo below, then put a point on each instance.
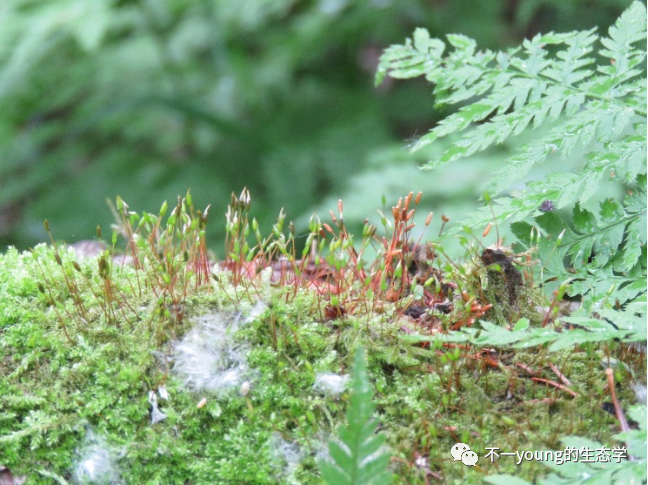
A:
(144, 99)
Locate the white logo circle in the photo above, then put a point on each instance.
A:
(469, 458)
(457, 450)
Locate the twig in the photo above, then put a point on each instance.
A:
(554, 384)
(560, 375)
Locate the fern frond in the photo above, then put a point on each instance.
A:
(589, 93)
(358, 457)
(627, 326)
(629, 29)
(622, 160)
(512, 89)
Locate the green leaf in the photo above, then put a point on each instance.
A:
(636, 438)
(421, 40)
(358, 457)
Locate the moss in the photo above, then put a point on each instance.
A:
(66, 369)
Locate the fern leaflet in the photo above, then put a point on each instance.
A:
(358, 457)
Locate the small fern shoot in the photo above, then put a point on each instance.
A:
(358, 457)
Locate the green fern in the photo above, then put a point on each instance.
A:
(526, 86)
(510, 91)
(358, 457)
(581, 101)
(588, 92)
(630, 326)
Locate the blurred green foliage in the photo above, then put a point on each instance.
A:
(144, 99)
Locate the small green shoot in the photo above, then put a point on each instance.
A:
(358, 458)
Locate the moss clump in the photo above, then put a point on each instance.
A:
(83, 344)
